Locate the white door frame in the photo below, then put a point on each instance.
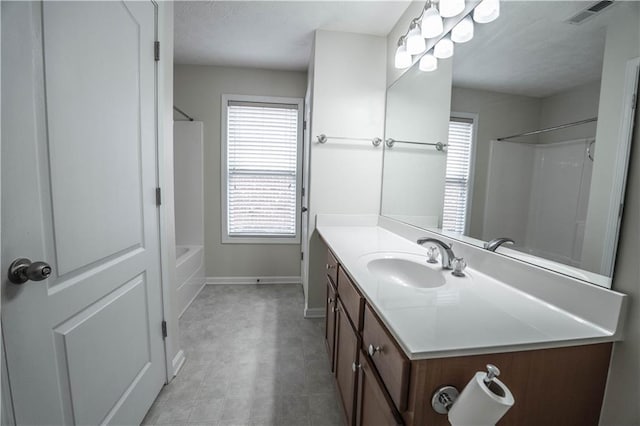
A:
(621, 167)
(164, 120)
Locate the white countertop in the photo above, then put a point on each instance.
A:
(471, 315)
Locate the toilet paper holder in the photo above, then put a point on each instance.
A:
(444, 398)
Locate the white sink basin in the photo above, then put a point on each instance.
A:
(405, 270)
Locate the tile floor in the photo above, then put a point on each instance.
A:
(252, 359)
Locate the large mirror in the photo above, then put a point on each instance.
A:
(523, 134)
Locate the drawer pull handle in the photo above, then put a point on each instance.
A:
(373, 350)
(335, 309)
(330, 300)
(330, 266)
(355, 366)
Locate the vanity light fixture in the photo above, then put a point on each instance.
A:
(487, 11)
(463, 32)
(432, 25)
(403, 58)
(451, 8)
(443, 48)
(415, 42)
(428, 63)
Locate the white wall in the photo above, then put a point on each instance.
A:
(418, 109)
(622, 43)
(198, 91)
(349, 82)
(188, 183)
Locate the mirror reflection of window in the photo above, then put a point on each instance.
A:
(458, 174)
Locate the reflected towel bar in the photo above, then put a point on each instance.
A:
(439, 145)
(322, 138)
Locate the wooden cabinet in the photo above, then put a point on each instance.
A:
(379, 385)
(330, 323)
(389, 360)
(374, 407)
(346, 361)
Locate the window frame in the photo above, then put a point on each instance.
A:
(472, 162)
(258, 239)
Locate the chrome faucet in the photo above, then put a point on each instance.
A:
(445, 251)
(497, 242)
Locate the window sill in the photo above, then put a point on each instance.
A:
(226, 239)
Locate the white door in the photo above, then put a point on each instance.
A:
(78, 192)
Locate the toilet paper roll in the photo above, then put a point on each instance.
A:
(479, 404)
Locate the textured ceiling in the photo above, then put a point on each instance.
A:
(530, 51)
(271, 34)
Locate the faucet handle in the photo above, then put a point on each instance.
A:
(432, 254)
(459, 265)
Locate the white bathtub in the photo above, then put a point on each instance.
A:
(189, 274)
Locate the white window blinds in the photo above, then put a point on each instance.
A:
(262, 158)
(456, 190)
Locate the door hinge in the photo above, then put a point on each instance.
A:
(633, 101)
(164, 329)
(304, 191)
(158, 196)
(301, 255)
(156, 50)
(304, 125)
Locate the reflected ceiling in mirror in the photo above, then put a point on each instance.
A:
(534, 115)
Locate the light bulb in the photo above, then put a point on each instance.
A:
(428, 63)
(415, 41)
(486, 11)
(403, 58)
(463, 32)
(431, 23)
(450, 8)
(444, 48)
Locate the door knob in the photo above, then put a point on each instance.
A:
(22, 270)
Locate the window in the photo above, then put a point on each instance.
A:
(260, 169)
(457, 176)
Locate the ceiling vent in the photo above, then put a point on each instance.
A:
(588, 13)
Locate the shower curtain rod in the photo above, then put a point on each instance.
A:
(178, 110)
(549, 129)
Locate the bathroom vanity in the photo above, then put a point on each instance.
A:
(394, 340)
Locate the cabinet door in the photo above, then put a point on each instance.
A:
(374, 406)
(330, 323)
(347, 343)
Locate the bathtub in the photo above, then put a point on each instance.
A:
(189, 274)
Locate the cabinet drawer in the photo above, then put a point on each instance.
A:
(388, 359)
(351, 299)
(332, 267)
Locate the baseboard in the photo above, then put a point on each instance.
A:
(314, 312)
(253, 280)
(178, 362)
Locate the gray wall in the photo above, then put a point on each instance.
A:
(198, 91)
(623, 388)
(499, 114)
